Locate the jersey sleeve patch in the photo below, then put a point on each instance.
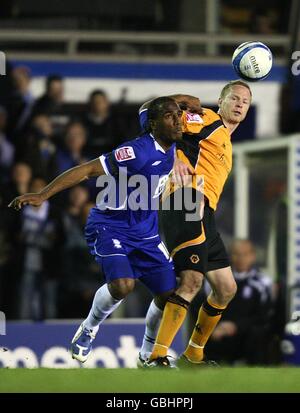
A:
(193, 118)
(124, 154)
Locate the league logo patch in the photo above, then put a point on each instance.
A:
(124, 154)
(193, 118)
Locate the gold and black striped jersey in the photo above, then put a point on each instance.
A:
(206, 146)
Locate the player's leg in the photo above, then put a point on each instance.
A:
(161, 281)
(106, 300)
(187, 240)
(190, 261)
(152, 322)
(175, 311)
(120, 281)
(223, 290)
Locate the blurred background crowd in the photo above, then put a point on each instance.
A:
(44, 254)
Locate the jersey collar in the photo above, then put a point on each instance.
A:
(157, 145)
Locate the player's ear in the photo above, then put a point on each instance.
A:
(152, 124)
(220, 100)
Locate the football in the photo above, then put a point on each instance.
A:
(252, 61)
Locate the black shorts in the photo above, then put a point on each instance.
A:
(194, 245)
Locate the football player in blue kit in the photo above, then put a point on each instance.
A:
(123, 238)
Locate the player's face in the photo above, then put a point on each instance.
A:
(168, 125)
(242, 256)
(235, 105)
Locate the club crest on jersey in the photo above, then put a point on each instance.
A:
(124, 154)
(195, 258)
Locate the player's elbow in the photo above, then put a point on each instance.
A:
(93, 168)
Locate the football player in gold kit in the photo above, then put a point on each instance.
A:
(196, 247)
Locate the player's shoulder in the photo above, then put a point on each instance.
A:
(213, 120)
(136, 148)
(194, 123)
(210, 116)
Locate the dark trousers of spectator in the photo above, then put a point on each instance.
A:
(251, 347)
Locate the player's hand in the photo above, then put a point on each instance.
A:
(182, 173)
(33, 199)
(229, 328)
(224, 329)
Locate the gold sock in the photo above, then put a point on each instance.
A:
(208, 317)
(173, 317)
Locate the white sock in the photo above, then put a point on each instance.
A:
(152, 321)
(103, 305)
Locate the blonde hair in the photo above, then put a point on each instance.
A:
(230, 85)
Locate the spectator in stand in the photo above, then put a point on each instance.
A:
(7, 150)
(18, 184)
(21, 102)
(75, 291)
(99, 123)
(244, 333)
(72, 154)
(39, 250)
(52, 104)
(38, 149)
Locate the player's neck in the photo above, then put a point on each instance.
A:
(229, 125)
(164, 144)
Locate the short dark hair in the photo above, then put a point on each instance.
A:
(155, 108)
(96, 92)
(232, 83)
(53, 78)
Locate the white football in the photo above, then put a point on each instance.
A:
(252, 61)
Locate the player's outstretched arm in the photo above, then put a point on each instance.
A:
(66, 180)
(187, 102)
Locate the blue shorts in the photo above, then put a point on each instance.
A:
(125, 256)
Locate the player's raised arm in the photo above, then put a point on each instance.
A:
(189, 103)
(66, 180)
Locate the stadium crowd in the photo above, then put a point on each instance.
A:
(43, 251)
(46, 270)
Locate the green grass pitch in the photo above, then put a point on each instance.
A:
(206, 380)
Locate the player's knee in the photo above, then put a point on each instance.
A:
(227, 292)
(191, 281)
(121, 287)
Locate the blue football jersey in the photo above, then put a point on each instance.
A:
(137, 172)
